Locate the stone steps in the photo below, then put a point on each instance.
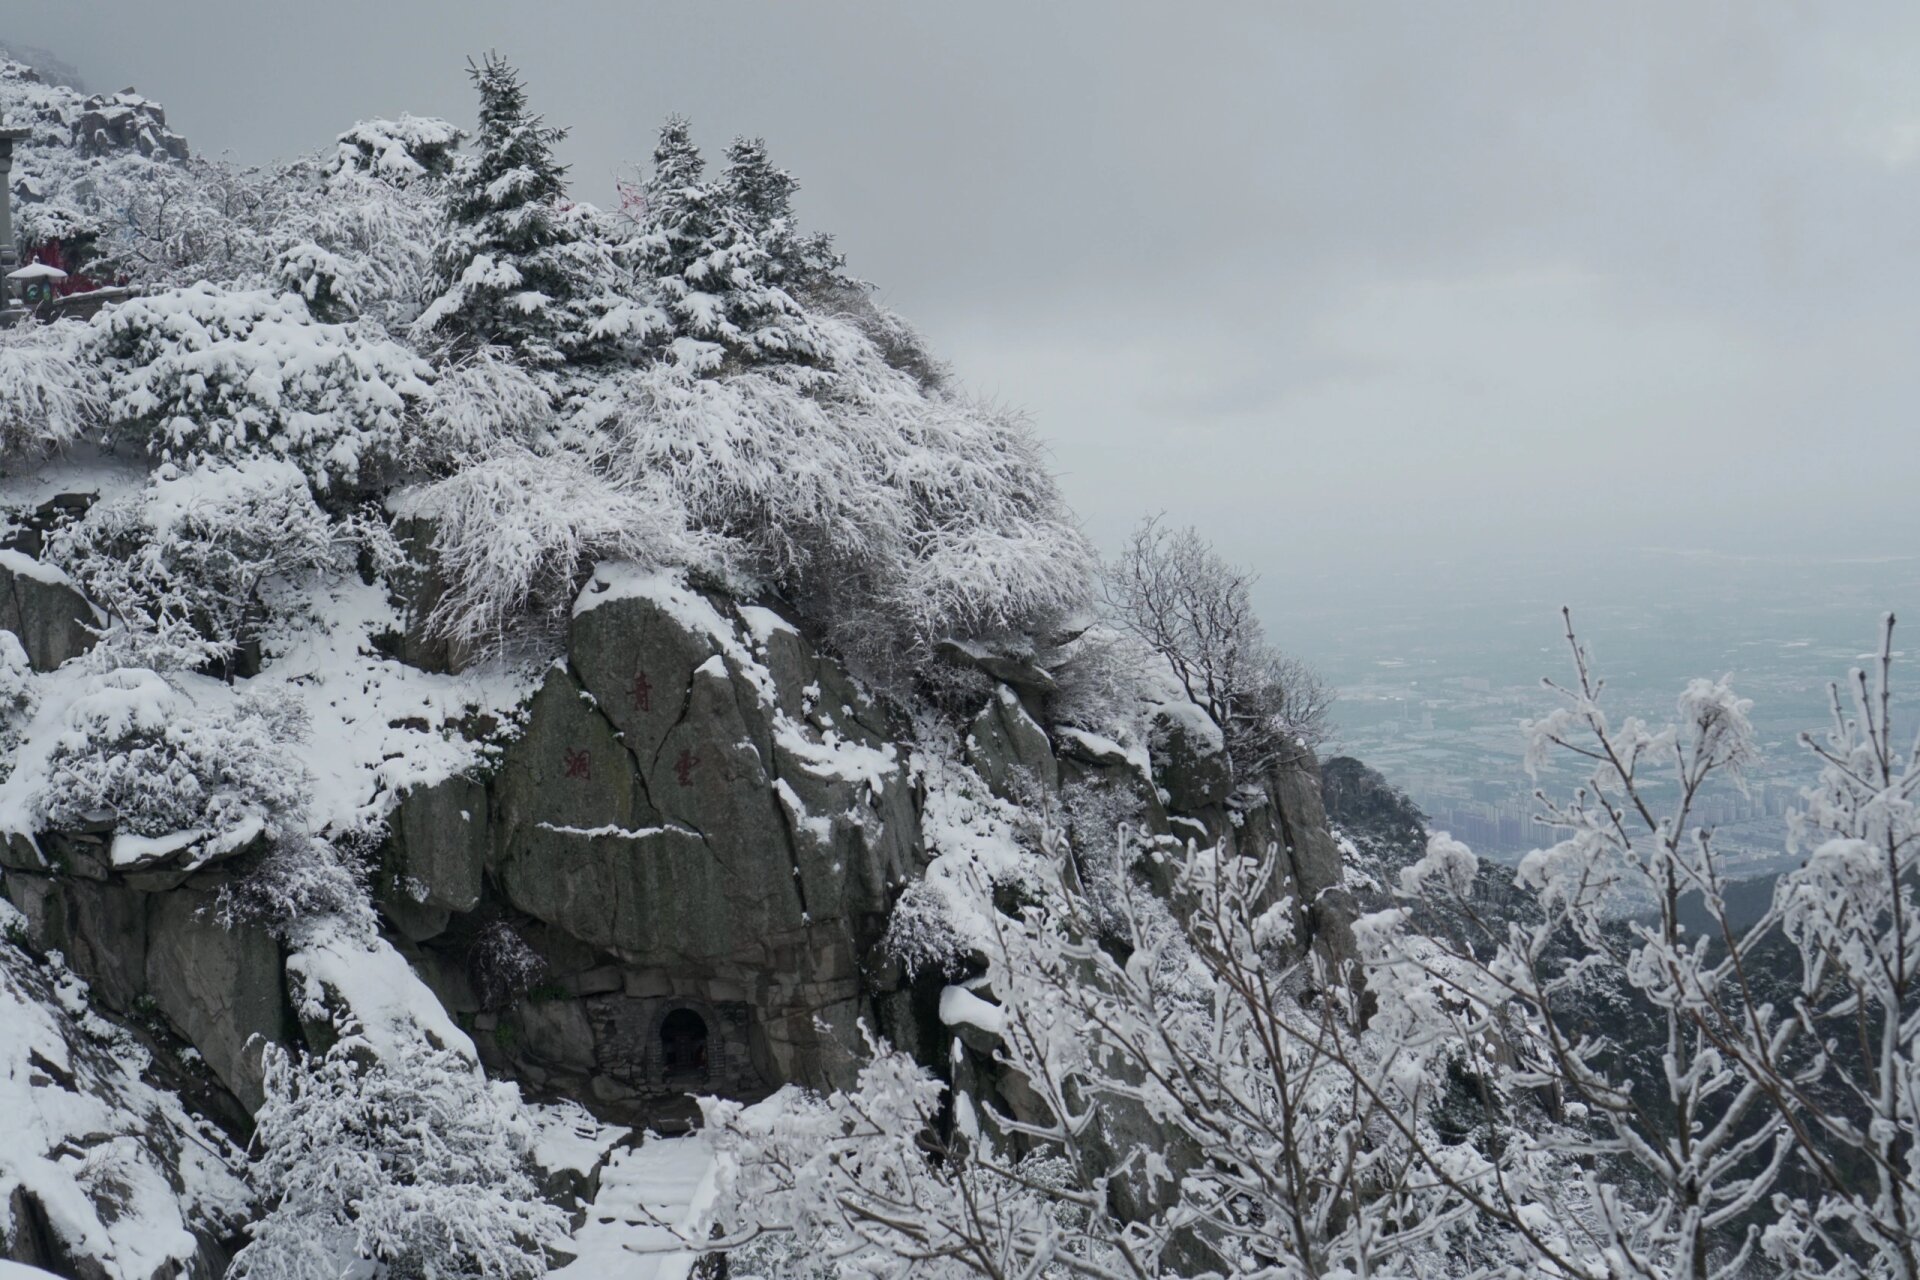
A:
(648, 1195)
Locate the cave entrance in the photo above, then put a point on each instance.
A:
(683, 1044)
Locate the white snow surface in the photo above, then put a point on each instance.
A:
(815, 825)
(959, 1007)
(834, 756)
(765, 623)
(137, 851)
(1203, 735)
(1099, 747)
(338, 971)
(568, 1136)
(21, 565)
(379, 726)
(651, 1198)
(82, 468)
(376, 727)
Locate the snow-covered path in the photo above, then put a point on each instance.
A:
(663, 1180)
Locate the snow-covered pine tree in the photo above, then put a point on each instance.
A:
(679, 171)
(762, 195)
(511, 267)
(761, 192)
(721, 289)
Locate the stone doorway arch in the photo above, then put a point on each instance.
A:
(683, 1045)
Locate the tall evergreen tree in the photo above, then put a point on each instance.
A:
(720, 287)
(515, 270)
(762, 195)
(679, 170)
(682, 210)
(755, 187)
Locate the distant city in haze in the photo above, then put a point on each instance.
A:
(1435, 677)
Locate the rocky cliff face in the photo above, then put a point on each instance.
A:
(692, 842)
(703, 820)
(104, 1170)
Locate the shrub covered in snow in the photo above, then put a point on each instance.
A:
(324, 280)
(51, 391)
(514, 535)
(138, 753)
(296, 880)
(414, 1163)
(920, 932)
(1106, 680)
(501, 966)
(397, 151)
(381, 233)
(915, 516)
(185, 567)
(203, 374)
(754, 458)
(17, 697)
(481, 402)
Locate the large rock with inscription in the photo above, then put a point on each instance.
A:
(700, 829)
(703, 823)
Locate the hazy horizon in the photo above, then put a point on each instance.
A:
(1377, 298)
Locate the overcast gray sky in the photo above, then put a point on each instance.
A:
(1357, 288)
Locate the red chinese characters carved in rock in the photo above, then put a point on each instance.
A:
(642, 692)
(577, 764)
(684, 766)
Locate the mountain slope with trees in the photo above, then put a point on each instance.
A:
(484, 674)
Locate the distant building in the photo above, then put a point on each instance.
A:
(48, 286)
(11, 309)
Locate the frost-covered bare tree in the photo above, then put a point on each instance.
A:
(1673, 1165)
(1190, 1097)
(1851, 915)
(1772, 1117)
(1171, 589)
